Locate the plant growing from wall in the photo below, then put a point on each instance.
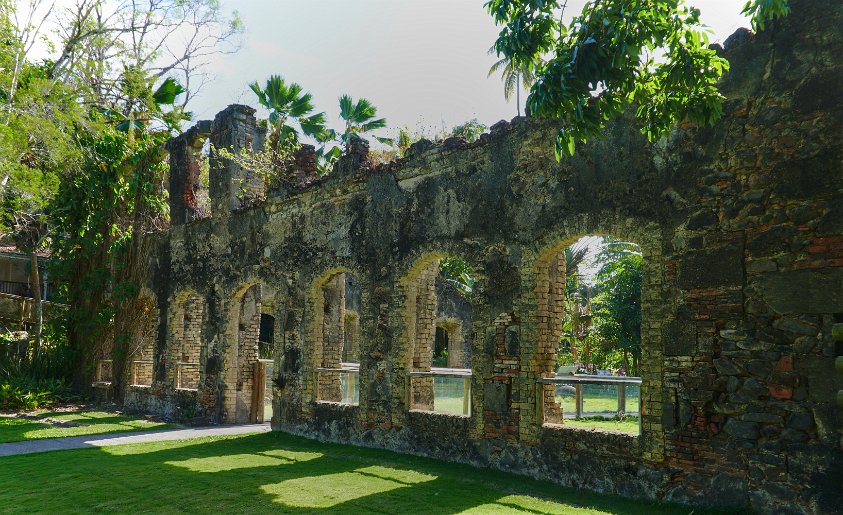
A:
(470, 130)
(359, 118)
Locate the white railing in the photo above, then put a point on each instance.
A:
(576, 384)
(349, 388)
(451, 390)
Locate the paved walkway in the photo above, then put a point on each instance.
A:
(81, 442)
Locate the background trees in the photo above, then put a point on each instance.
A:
(602, 324)
(82, 166)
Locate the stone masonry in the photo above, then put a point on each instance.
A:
(741, 229)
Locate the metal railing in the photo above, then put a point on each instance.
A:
(24, 289)
(576, 384)
(349, 389)
(184, 379)
(138, 367)
(450, 391)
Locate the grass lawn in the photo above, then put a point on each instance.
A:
(597, 404)
(79, 423)
(278, 472)
(627, 425)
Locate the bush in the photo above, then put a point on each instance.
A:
(30, 381)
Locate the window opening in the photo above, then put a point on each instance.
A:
(592, 308)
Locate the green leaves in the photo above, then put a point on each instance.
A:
(602, 63)
(288, 103)
(762, 11)
(359, 118)
(167, 92)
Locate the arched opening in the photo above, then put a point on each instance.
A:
(338, 302)
(185, 346)
(142, 353)
(439, 318)
(589, 318)
(248, 364)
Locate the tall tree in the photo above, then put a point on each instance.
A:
(104, 44)
(617, 308)
(515, 75)
(605, 60)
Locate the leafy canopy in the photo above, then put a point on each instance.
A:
(653, 54)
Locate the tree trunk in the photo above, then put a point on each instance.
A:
(518, 94)
(627, 370)
(35, 279)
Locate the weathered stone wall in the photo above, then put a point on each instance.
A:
(741, 229)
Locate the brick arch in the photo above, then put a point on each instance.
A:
(185, 343)
(332, 314)
(543, 274)
(417, 303)
(141, 363)
(241, 353)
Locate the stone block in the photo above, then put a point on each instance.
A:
(712, 268)
(803, 291)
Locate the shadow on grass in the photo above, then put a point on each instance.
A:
(282, 473)
(76, 424)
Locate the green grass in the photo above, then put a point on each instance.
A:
(282, 473)
(627, 425)
(84, 423)
(597, 404)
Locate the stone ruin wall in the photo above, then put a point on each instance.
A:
(741, 228)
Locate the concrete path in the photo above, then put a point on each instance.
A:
(81, 442)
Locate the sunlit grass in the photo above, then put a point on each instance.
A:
(241, 461)
(627, 425)
(279, 473)
(333, 489)
(84, 423)
(597, 404)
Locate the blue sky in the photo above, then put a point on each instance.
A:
(422, 62)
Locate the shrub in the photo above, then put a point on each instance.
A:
(30, 381)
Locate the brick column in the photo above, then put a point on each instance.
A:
(332, 337)
(424, 304)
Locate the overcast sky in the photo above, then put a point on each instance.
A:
(422, 62)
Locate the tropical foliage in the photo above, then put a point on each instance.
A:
(457, 273)
(616, 54)
(291, 112)
(515, 75)
(602, 324)
(358, 119)
(82, 164)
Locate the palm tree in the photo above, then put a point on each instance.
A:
(514, 75)
(288, 103)
(577, 320)
(359, 119)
